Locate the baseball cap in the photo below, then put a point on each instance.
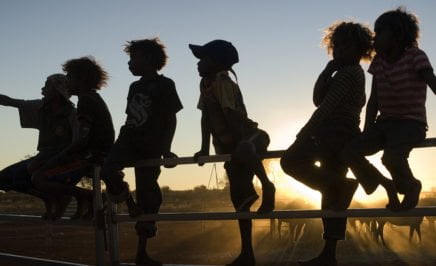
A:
(222, 51)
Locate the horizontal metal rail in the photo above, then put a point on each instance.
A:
(37, 219)
(430, 142)
(285, 214)
(8, 259)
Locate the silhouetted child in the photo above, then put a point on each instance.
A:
(339, 95)
(225, 118)
(55, 118)
(401, 72)
(94, 139)
(152, 104)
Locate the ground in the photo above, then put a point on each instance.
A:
(213, 242)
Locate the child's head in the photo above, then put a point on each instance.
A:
(84, 74)
(55, 87)
(348, 42)
(146, 56)
(396, 28)
(215, 56)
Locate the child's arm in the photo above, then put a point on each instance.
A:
(371, 107)
(168, 135)
(429, 78)
(8, 101)
(205, 138)
(171, 123)
(320, 88)
(76, 147)
(340, 88)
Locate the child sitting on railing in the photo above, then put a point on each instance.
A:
(152, 104)
(225, 118)
(401, 72)
(94, 138)
(339, 95)
(55, 118)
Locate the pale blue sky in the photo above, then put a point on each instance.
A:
(278, 43)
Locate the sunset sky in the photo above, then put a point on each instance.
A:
(279, 44)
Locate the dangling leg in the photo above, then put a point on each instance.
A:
(149, 200)
(241, 188)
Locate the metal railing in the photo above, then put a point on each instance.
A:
(106, 221)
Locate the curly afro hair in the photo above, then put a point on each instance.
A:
(152, 47)
(403, 24)
(94, 76)
(355, 33)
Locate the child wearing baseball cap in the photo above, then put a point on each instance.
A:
(224, 116)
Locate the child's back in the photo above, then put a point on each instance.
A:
(401, 91)
(217, 97)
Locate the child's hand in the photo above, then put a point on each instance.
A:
(4, 100)
(169, 155)
(331, 67)
(198, 154)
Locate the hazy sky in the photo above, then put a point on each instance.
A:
(278, 43)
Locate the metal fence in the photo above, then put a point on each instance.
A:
(106, 220)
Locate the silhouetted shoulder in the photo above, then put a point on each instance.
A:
(169, 92)
(166, 82)
(353, 73)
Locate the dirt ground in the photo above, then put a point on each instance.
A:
(214, 242)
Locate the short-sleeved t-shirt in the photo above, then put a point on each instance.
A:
(218, 95)
(56, 129)
(401, 92)
(93, 111)
(148, 103)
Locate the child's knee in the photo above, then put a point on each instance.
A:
(145, 229)
(392, 159)
(288, 164)
(39, 180)
(244, 153)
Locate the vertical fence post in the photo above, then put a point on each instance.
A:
(113, 237)
(98, 218)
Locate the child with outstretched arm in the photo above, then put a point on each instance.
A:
(54, 116)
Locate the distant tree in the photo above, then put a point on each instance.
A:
(165, 189)
(201, 188)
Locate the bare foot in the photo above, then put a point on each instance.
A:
(243, 260)
(320, 261)
(268, 199)
(143, 259)
(411, 197)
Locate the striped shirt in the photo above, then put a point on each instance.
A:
(401, 92)
(344, 99)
